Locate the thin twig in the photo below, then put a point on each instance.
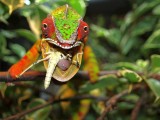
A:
(21, 114)
(113, 100)
(37, 75)
(52, 101)
(137, 107)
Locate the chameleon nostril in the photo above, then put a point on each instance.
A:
(45, 35)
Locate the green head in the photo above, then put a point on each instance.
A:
(66, 20)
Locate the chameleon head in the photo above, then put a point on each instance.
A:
(65, 28)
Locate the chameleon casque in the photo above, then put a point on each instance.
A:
(64, 34)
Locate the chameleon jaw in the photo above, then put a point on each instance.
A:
(77, 43)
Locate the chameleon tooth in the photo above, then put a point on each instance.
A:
(66, 47)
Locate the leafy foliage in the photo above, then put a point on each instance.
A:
(129, 45)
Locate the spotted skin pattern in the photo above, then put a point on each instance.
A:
(66, 21)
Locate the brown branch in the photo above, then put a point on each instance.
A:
(21, 114)
(52, 101)
(113, 100)
(37, 75)
(27, 76)
(137, 107)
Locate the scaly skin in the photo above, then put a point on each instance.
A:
(63, 31)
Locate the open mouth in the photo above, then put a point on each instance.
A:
(64, 44)
(70, 59)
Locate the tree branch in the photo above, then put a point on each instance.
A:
(52, 101)
(37, 75)
(137, 107)
(113, 100)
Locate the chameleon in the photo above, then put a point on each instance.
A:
(64, 35)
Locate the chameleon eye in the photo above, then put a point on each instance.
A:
(45, 25)
(85, 28)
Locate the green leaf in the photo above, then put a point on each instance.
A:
(4, 15)
(125, 106)
(131, 97)
(154, 85)
(18, 49)
(155, 62)
(156, 10)
(113, 36)
(26, 34)
(3, 87)
(143, 26)
(41, 114)
(127, 65)
(130, 75)
(138, 12)
(8, 34)
(142, 64)
(109, 82)
(127, 43)
(3, 46)
(153, 41)
(10, 59)
(78, 5)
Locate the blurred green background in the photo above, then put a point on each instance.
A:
(123, 34)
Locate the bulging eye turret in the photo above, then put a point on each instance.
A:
(83, 30)
(47, 27)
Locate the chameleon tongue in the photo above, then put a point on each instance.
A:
(54, 58)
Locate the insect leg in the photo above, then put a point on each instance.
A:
(77, 62)
(38, 61)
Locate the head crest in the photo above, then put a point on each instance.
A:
(66, 20)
